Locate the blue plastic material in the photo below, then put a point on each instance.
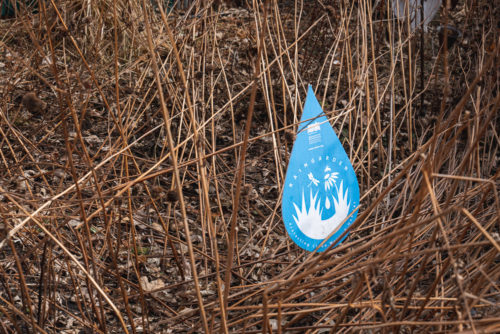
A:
(321, 188)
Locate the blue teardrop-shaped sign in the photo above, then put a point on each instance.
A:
(321, 188)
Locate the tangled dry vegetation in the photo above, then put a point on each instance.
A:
(140, 182)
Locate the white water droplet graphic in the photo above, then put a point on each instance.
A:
(327, 203)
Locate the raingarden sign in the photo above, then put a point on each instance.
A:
(321, 189)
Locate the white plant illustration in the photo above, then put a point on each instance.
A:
(330, 178)
(309, 219)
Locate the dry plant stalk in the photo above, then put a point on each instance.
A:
(140, 187)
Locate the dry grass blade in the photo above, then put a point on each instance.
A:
(144, 145)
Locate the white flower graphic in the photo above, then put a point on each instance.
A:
(330, 178)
